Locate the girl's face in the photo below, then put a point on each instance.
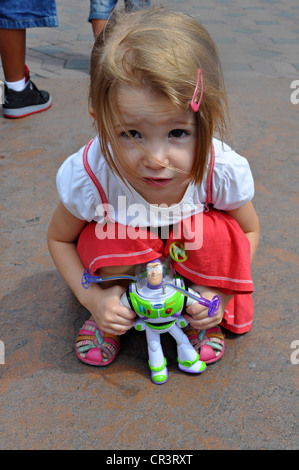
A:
(168, 136)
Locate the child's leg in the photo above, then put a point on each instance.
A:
(209, 343)
(109, 257)
(100, 12)
(109, 271)
(93, 345)
(222, 262)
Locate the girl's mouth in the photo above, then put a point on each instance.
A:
(157, 182)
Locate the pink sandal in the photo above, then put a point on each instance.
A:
(210, 342)
(91, 343)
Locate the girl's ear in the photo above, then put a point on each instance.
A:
(91, 112)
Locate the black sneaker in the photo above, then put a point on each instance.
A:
(18, 104)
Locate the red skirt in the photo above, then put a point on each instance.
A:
(221, 259)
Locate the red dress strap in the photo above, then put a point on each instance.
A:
(210, 176)
(93, 176)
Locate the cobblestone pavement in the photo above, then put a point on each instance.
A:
(254, 37)
(249, 399)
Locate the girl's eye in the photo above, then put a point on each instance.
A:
(177, 133)
(134, 134)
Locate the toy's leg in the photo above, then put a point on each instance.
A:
(157, 362)
(188, 358)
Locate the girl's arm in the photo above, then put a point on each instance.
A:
(63, 232)
(103, 304)
(197, 315)
(249, 223)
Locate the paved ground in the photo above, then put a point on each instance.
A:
(249, 400)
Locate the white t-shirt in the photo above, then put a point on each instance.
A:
(232, 187)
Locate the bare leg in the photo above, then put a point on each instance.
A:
(114, 271)
(12, 51)
(98, 25)
(110, 341)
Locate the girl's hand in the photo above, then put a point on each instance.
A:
(197, 314)
(106, 310)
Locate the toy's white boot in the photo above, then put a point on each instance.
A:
(188, 358)
(159, 375)
(157, 362)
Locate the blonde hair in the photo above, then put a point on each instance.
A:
(163, 50)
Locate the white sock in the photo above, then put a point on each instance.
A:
(16, 86)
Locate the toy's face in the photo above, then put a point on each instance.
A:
(154, 273)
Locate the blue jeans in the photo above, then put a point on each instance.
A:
(102, 9)
(23, 14)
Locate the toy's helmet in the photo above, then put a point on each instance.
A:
(142, 271)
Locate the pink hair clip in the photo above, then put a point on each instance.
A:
(195, 104)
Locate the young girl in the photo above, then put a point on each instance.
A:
(155, 174)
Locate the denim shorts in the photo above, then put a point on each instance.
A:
(102, 9)
(23, 14)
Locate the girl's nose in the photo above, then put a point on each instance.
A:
(157, 157)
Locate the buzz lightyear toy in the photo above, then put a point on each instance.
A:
(158, 297)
